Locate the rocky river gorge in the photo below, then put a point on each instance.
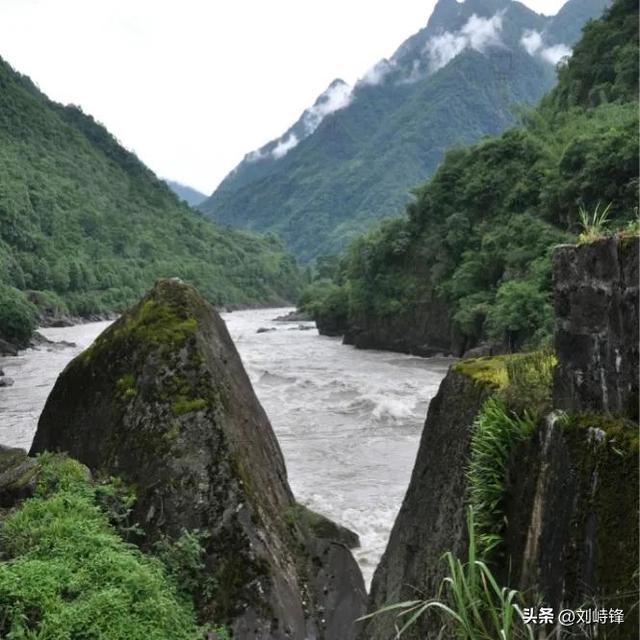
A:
(348, 421)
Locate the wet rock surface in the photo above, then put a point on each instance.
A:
(596, 339)
(294, 316)
(162, 400)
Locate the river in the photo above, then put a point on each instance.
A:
(348, 421)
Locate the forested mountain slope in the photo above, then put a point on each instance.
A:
(470, 260)
(355, 154)
(86, 227)
(190, 195)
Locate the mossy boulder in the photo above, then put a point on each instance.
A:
(162, 401)
(18, 475)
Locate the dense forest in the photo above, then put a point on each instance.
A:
(358, 165)
(85, 227)
(477, 237)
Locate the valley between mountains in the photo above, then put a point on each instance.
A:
(440, 441)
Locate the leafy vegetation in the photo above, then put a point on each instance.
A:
(66, 573)
(84, 221)
(521, 395)
(479, 234)
(495, 430)
(470, 601)
(361, 162)
(17, 316)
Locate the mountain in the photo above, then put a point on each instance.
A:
(86, 228)
(191, 196)
(452, 83)
(469, 263)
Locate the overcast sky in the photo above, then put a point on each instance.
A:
(192, 85)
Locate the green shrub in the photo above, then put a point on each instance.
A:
(520, 310)
(67, 574)
(48, 303)
(184, 560)
(18, 317)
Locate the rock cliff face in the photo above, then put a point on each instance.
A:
(162, 400)
(572, 510)
(596, 302)
(571, 490)
(425, 330)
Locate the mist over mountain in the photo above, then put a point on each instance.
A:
(354, 156)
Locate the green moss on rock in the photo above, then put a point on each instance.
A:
(487, 370)
(166, 317)
(184, 405)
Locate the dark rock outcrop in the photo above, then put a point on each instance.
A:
(423, 329)
(294, 316)
(572, 511)
(162, 400)
(7, 348)
(18, 474)
(332, 325)
(596, 339)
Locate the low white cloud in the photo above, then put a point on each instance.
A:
(377, 73)
(533, 44)
(416, 73)
(477, 33)
(284, 146)
(531, 41)
(556, 53)
(254, 156)
(336, 97)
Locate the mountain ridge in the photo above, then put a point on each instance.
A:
(362, 160)
(86, 227)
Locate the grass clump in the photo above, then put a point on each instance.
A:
(470, 601)
(495, 430)
(594, 225)
(66, 573)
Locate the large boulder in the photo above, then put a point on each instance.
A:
(162, 400)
